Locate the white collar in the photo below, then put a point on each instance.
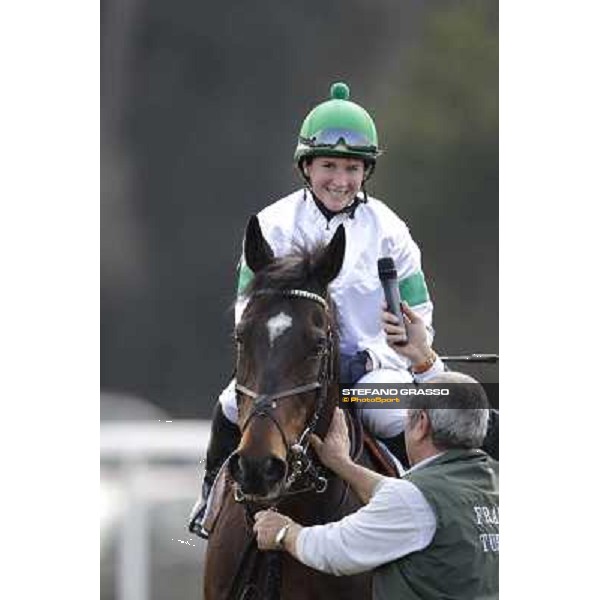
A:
(424, 462)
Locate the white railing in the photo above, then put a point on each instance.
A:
(133, 447)
(147, 440)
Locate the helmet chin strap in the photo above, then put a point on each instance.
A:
(369, 170)
(329, 214)
(364, 191)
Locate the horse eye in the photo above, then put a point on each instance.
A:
(318, 319)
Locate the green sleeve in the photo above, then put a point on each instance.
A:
(245, 276)
(413, 289)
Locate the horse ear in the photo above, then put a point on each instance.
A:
(257, 252)
(330, 263)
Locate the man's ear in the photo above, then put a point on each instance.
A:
(423, 425)
(257, 252)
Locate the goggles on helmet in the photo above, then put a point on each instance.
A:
(335, 136)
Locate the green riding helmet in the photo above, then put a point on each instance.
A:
(338, 127)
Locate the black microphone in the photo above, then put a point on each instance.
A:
(389, 281)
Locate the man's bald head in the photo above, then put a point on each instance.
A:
(459, 419)
(453, 377)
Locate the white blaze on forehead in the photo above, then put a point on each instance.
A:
(277, 325)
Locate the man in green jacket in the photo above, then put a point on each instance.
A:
(432, 534)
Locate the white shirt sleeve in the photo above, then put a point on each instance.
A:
(437, 368)
(397, 521)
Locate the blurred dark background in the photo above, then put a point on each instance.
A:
(201, 106)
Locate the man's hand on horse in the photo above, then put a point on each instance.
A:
(417, 349)
(268, 524)
(335, 449)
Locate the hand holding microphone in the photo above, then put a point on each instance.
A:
(404, 330)
(417, 348)
(389, 281)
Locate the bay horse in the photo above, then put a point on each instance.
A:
(287, 387)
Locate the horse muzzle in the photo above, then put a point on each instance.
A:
(260, 476)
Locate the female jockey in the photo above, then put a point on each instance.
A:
(336, 155)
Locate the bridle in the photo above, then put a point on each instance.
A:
(301, 465)
(301, 469)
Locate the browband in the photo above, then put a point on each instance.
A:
(295, 294)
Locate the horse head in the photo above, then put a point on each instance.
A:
(286, 363)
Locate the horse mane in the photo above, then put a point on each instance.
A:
(292, 271)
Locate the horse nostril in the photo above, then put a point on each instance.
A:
(257, 475)
(274, 469)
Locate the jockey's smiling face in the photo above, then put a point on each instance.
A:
(335, 180)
